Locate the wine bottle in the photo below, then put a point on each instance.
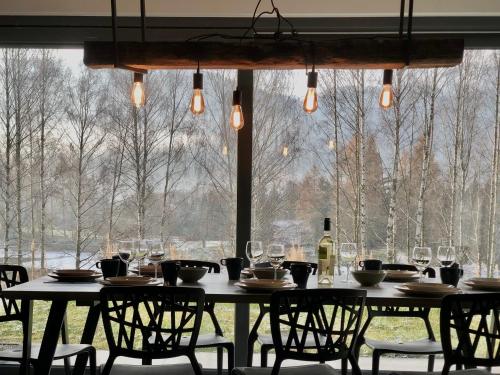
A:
(326, 256)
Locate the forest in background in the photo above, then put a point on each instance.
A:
(80, 165)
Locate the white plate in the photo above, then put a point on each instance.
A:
(489, 284)
(76, 278)
(151, 282)
(74, 272)
(399, 275)
(128, 280)
(429, 292)
(264, 284)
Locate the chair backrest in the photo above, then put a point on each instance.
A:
(429, 271)
(11, 275)
(151, 321)
(212, 266)
(470, 329)
(288, 263)
(331, 317)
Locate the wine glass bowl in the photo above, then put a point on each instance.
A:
(254, 252)
(141, 251)
(156, 254)
(348, 255)
(276, 256)
(446, 255)
(421, 258)
(126, 252)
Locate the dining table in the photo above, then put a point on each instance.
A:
(218, 289)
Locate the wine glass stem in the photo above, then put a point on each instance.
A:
(156, 271)
(420, 276)
(274, 273)
(347, 274)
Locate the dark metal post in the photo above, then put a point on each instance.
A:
(244, 207)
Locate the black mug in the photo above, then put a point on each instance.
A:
(234, 267)
(109, 267)
(300, 273)
(122, 270)
(170, 270)
(371, 264)
(451, 275)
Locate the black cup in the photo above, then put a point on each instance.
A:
(234, 267)
(300, 273)
(170, 270)
(122, 270)
(451, 275)
(109, 267)
(371, 264)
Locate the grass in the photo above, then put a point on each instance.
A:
(389, 329)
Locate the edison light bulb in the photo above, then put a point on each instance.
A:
(311, 99)
(197, 101)
(138, 96)
(224, 150)
(386, 96)
(285, 151)
(331, 144)
(236, 118)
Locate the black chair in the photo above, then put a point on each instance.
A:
(427, 346)
(151, 322)
(13, 310)
(216, 340)
(266, 341)
(316, 325)
(470, 332)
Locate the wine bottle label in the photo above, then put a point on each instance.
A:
(323, 252)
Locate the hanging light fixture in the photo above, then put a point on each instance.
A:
(236, 120)
(197, 101)
(225, 151)
(138, 96)
(387, 96)
(285, 150)
(311, 99)
(331, 144)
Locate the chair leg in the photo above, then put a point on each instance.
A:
(264, 349)
(64, 340)
(109, 364)
(375, 362)
(92, 361)
(230, 358)
(354, 365)
(220, 357)
(344, 366)
(194, 364)
(251, 343)
(430, 364)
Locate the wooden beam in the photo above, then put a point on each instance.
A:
(372, 53)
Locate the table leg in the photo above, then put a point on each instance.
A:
(87, 337)
(27, 308)
(50, 337)
(241, 331)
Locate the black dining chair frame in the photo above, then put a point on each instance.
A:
(217, 341)
(15, 310)
(141, 322)
(253, 336)
(459, 314)
(380, 348)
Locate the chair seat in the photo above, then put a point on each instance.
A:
(15, 352)
(209, 340)
(424, 346)
(184, 369)
(318, 369)
(268, 340)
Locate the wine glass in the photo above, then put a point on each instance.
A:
(446, 255)
(126, 252)
(421, 258)
(156, 254)
(254, 252)
(141, 251)
(276, 255)
(348, 254)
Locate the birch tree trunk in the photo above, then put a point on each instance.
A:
(362, 165)
(494, 179)
(8, 151)
(426, 158)
(337, 170)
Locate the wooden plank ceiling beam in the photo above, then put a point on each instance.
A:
(370, 53)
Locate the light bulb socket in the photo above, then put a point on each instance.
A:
(198, 81)
(388, 76)
(138, 78)
(236, 97)
(312, 79)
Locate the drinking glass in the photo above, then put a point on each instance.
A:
(126, 252)
(254, 252)
(421, 258)
(276, 255)
(156, 254)
(348, 254)
(446, 255)
(141, 251)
